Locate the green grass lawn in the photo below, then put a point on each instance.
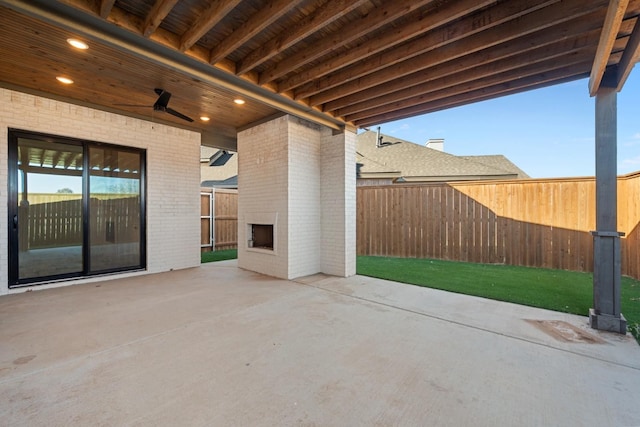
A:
(559, 290)
(219, 255)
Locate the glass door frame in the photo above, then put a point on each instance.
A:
(13, 222)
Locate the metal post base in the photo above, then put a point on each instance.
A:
(605, 322)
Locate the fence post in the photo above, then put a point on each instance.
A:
(212, 210)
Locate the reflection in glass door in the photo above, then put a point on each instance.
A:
(114, 208)
(49, 208)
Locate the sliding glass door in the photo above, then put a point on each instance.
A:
(114, 208)
(76, 208)
(48, 221)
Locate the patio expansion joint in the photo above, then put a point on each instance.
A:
(466, 325)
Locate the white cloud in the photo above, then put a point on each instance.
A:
(633, 161)
(633, 141)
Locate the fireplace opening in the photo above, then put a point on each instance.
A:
(261, 236)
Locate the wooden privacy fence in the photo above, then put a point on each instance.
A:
(538, 223)
(218, 219)
(57, 221)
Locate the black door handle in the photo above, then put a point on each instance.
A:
(15, 222)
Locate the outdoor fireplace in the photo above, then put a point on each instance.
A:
(261, 236)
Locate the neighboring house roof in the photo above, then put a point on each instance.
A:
(498, 161)
(218, 176)
(225, 183)
(397, 158)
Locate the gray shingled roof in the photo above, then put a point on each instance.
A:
(394, 159)
(398, 157)
(498, 161)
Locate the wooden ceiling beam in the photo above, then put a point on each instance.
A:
(585, 27)
(166, 38)
(156, 15)
(389, 12)
(571, 51)
(89, 6)
(208, 19)
(366, 124)
(105, 8)
(70, 158)
(539, 20)
(421, 25)
(452, 86)
(506, 88)
(610, 28)
(537, 60)
(630, 56)
(321, 17)
(267, 15)
(56, 158)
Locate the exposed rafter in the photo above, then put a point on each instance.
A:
(612, 22)
(390, 45)
(538, 60)
(160, 10)
(496, 35)
(323, 16)
(337, 62)
(379, 17)
(631, 55)
(502, 89)
(539, 40)
(209, 18)
(471, 81)
(268, 14)
(105, 7)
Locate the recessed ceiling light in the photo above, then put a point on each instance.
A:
(204, 118)
(239, 101)
(78, 44)
(65, 80)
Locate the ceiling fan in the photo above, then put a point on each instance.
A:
(161, 104)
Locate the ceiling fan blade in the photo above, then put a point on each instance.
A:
(163, 100)
(178, 114)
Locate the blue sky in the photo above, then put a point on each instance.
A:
(546, 132)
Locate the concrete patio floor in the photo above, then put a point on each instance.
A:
(219, 346)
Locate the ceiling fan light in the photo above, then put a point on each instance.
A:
(78, 44)
(204, 118)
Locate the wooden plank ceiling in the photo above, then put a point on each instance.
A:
(337, 62)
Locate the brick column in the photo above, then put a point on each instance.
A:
(300, 177)
(338, 203)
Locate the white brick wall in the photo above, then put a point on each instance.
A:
(262, 193)
(173, 172)
(304, 198)
(338, 201)
(300, 172)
